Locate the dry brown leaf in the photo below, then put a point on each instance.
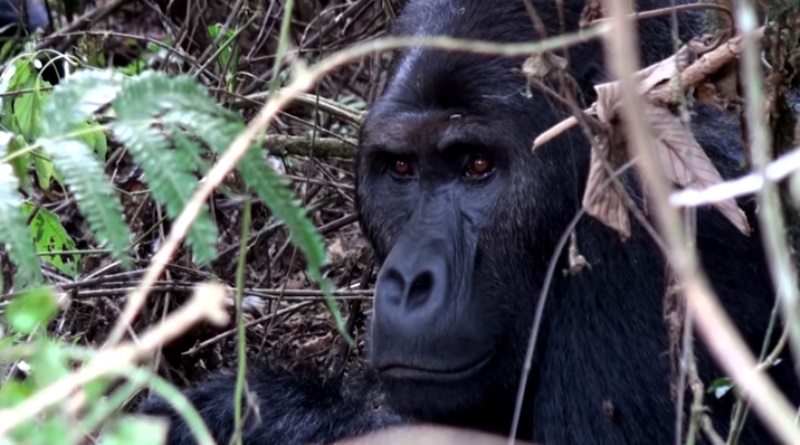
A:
(606, 205)
(707, 93)
(593, 10)
(336, 251)
(541, 65)
(686, 163)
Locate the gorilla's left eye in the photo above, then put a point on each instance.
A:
(479, 166)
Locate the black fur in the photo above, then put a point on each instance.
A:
(464, 259)
(290, 410)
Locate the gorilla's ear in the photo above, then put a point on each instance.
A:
(427, 435)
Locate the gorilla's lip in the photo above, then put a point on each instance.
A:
(406, 371)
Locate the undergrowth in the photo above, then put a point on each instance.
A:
(172, 128)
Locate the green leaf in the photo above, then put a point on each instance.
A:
(50, 236)
(45, 171)
(31, 309)
(84, 175)
(21, 160)
(53, 431)
(13, 232)
(217, 127)
(13, 79)
(94, 137)
(155, 92)
(138, 430)
(720, 387)
(168, 172)
(13, 392)
(28, 108)
(274, 191)
(170, 182)
(73, 102)
(49, 364)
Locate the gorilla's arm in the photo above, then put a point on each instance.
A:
(291, 410)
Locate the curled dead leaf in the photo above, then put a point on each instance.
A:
(604, 202)
(686, 164)
(684, 161)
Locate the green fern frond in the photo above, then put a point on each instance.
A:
(187, 149)
(170, 182)
(92, 189)
(217, 127)
(265, 181)
(155, 92)
(75, 101)
(13, 232)
(273, 189)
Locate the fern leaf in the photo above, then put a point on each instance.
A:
(75, 101)
(92, 189)
(13, 232)
(187, 104)
(155, 92)
(187, 149)
(170, 182)
(275, 192)
(266, 182)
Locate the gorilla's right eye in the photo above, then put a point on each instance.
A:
(401, 167)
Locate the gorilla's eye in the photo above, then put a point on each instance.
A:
(401, 167)
(479, 166)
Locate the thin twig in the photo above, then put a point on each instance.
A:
(712, 322)
(207, 304)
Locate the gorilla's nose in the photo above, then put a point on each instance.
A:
(412, 284)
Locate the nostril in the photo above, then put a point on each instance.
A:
(421, 288)
(392, 286)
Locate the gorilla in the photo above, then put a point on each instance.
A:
(11, 16)
(465, 218)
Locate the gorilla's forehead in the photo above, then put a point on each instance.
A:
(424, 131)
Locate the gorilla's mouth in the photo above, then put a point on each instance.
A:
(406, 371)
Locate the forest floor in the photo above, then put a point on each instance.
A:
(288, 322)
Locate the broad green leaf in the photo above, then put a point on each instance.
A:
(45, 171)
(49, 364)
(139, 430)
(20, 160)
(84, 176)
(50, 236)
(13, 233)
(14, 77)
(95, 137)
(31, 309)
(14, 392)
(52, 431)
(28, 108)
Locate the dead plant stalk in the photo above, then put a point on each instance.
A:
(716, 328)
(207, 304)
